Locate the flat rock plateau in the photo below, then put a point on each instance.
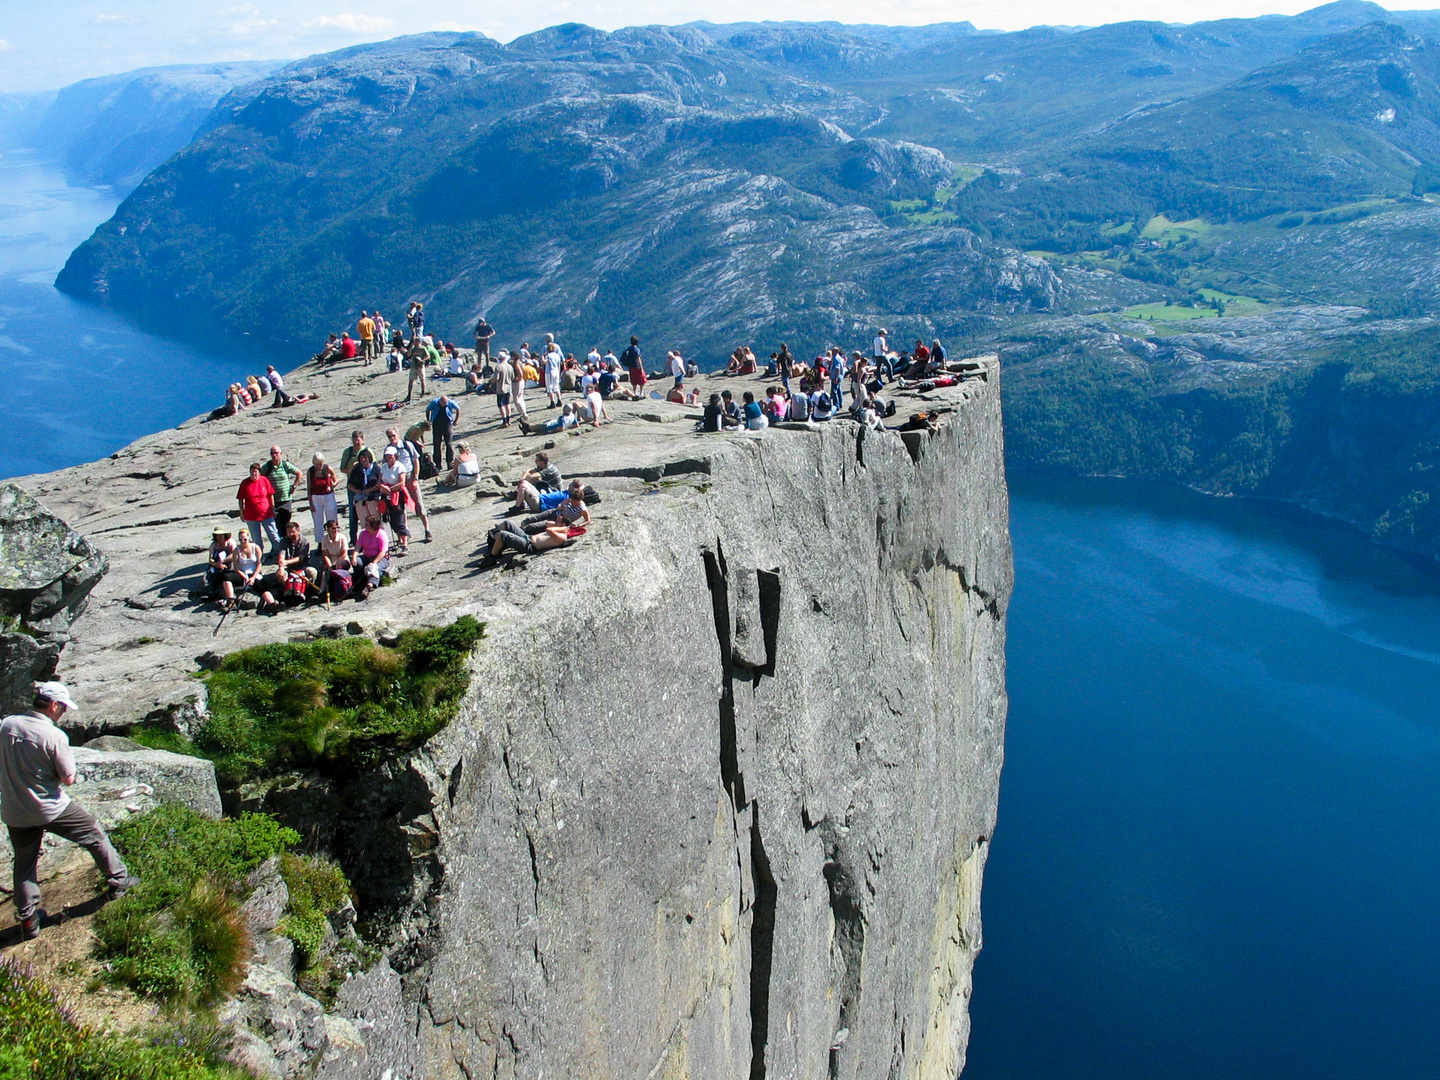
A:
(719, 797)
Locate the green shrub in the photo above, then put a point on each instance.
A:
(178, 935)
(334, 705)
(317, 887)
(41, 1040)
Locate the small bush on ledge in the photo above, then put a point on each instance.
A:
(337, 706)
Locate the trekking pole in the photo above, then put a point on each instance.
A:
(216, 631)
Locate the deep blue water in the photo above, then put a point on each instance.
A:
(1219, 841)
(78, 382)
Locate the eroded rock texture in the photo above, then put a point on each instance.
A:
(720, 807)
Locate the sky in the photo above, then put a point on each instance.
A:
(46, 44)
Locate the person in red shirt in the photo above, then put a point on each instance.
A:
(347, 347)
(257, 508)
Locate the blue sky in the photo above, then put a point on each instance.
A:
(49, 43)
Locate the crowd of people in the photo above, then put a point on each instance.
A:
(380, 493)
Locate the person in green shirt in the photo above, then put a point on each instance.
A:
(348, 460)
(282, 476)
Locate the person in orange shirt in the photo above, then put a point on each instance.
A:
(366, 327)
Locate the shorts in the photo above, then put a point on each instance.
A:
(637, 376)
(501, 400)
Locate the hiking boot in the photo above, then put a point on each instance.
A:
(30, 928)
(428, 537)
(123, 886)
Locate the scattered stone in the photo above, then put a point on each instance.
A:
(138, 605)
(268, 895)
(389, 637)
(183, 710)
(354, 629)
(208, 661)
(331, 630)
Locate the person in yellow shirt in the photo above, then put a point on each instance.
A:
(366, 327)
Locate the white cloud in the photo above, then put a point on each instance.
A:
(5, 46)
(250, 27)
(106, 17)
(351, 22)
(455, 27)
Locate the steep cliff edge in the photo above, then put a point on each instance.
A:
(719, 798)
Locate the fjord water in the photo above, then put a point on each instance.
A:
(77, 382)
(1219, 840)
(1218, 851)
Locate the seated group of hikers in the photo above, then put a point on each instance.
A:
(337, 571)
(240, 396)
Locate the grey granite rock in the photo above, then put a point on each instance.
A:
(24, 661)
(171, 777)
(265, 900)
(47, 569)
(726, 774)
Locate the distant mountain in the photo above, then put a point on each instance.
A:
(115, 129)
(575, 180)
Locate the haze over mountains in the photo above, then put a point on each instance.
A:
(1067, 197)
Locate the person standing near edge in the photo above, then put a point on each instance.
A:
(483, 333)
(36, 765)
(634, 366)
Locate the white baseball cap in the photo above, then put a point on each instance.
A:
(56, 691)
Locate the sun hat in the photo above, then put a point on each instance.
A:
(390, 451)
(220, 530)
(55, 691)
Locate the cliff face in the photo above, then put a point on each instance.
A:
(719, 798)
(722, 805)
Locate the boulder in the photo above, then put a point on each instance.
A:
(268, 895)
(372, 1001)
(170, 777)
(291, 1023)
(24, 661)
(47, 569)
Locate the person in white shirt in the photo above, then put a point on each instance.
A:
(593, 356)
(880, 353)
(393, 482)
(676, 366)
(554, 362)
(408, 455)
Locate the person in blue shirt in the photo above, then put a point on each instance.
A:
(442, 414)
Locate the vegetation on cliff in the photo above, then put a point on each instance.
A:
(41, 1040)
(336, 706)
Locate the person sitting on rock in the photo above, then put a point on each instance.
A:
(798, 406)
(372, 555)
(731, 409)
(221, 549)
(754, 414)
(335, 567)
(291, 559)
(822, 405)
(676, 393)
(466, 470)
(244, 572)
(544, 477)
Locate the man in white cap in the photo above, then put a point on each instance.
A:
(36, 766)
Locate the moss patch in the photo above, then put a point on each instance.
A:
(317, 887)
(336, 706)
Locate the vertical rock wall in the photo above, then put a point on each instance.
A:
(719, 806)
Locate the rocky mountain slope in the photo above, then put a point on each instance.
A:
(668, 834)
